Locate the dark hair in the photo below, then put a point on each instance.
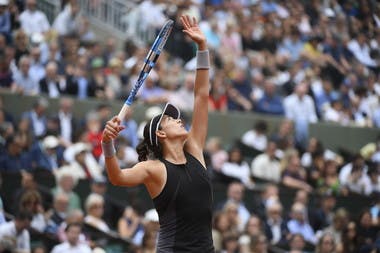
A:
(74, 224)
(24, 215)
(147, 151)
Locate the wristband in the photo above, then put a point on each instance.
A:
(108, 149)
(203, 59)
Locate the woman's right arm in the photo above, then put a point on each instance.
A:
(136, 175)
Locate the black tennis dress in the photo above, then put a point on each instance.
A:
(185, 209)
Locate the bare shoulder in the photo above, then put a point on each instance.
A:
(151, 166)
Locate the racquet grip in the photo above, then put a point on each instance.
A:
(123, 112)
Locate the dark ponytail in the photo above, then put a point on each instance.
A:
(147, 151)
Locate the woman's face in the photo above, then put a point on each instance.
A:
(327, 244)
(172, 128)
(97, 209)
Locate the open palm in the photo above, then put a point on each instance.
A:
(191, 28)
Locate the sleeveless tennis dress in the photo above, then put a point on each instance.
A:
(185, 209)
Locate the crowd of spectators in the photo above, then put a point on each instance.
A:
(306, 61)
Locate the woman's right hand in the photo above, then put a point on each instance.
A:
(112, 129)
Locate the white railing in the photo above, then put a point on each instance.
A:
(51, 8)
(120, 17)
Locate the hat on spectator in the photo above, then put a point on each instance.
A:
(151, 215)
(4, 2)
(115, 63)
(50, 142)
(169, 110)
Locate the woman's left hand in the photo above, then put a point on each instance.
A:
(191, 28)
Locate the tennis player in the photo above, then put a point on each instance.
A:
(171, 164)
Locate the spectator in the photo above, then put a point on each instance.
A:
(235, 194)
(37, 69)
(354, 176)
(296, 243)
(339, 223)
(68, 20)
(130, 130)
(52, 84)
(216, 152)
(239, 92)
(151, 93)
(322, 217)
(32, 20)
(31, 201)
(298, 225)
(72, 244)
(266, 166)
(24, 82)
(82, 164)
(94, 206)
(237, 168)
(256, 137)
(14, 235)
(74, 216)
(58, 214)
(218, 94)
(259, 243)
(270, 102)
(350, 240)
(67, 122)
(220, 227)
(294, 175)
(37, 117)
(66, 183)
(299, 107)
(13, 160)
(275, 227)
(130, 226)
(183, 98)
(326, 244)
(5, 17)
(252, 228)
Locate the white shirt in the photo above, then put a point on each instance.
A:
(266, 168)
(252, 139)
(34, 22)
(22, 239)
(300, 109)
(65, 247)
(361, 53)
(38, 124)
(66, 128)
(239, 171)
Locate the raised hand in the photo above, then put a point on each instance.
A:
(112, 129)
(191, 28)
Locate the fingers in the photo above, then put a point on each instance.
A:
(113, 128)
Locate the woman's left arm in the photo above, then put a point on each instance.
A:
(198, 131)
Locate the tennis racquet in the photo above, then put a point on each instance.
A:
(149, 62)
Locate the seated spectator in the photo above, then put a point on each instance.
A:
(314, 146)
(239, 92)
(58, 214)
(37, 117)
(230, 242)
(216, 152)
(73, 216)
(367, 233)
(65, 184)
(354, 176)
(329, 179)
(94, 133)
(296, 243)
(258, 243)
(82, 164)
(94, 206)
(266, 166)
(284, 137)
(151, 93)
(31, 201)
(231, 210)
(299, 225)
(72, 244)
(374, 177)
(270, 102)
(14, 235)
(253, 227)
(47, 154)
(275, 227)
(13, 160)
(183, 98)
(256, 137)
(130, 130)
(237, 168)
(322, 217)
(68, 20)
(294, 175)
(52, 85)
(350, 239)
(220, 226)
(130, 225)
(326, 244)
(338, 225)
(24, 82)
(218, 95)
(5, 16)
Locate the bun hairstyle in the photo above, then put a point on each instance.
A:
(145, 149)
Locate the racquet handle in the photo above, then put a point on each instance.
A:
(123, 112)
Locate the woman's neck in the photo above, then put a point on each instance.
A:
(174, 153)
